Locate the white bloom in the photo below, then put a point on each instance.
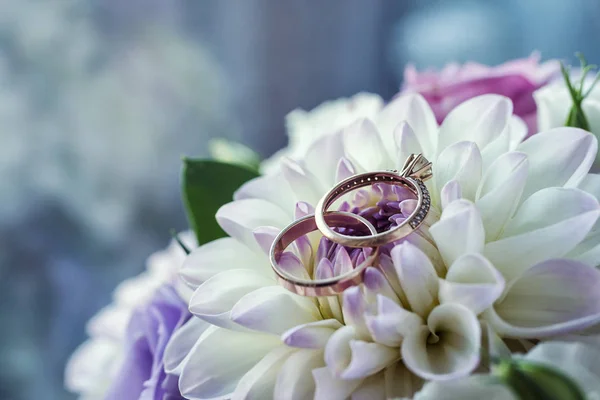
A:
(510, 239)
(304, 127)
(554, 103)
(92, 367)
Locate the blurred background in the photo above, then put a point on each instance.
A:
(99, 99)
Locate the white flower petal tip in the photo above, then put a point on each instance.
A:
(345, 169)
(473, 282)
(459, 231)
(447, 348)
(215, 257)
(460, 162)
(480, 119)
(406, 143)
(417, 277)
(273, 310)
(558, 157)
(238, 223)
(552, 298)
(499, 193)
(363, 145)
(392, 322)
(450, 192)
(217, 296)
(313, 335)
(303, 182)
(265, 236)
(349, 358)
(412, 110)
(548, 225)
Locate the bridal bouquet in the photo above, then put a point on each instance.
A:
(492, 292)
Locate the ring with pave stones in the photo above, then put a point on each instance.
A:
(415, 171)
(321, 287)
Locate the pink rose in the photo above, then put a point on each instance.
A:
(516, 79)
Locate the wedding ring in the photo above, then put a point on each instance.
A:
(322, 287)
(416, 170)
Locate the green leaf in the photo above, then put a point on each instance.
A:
(533, 381)
(576, 117)
(207, 185)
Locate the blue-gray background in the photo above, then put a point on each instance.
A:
(99, 99)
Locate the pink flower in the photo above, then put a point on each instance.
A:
(455, 83)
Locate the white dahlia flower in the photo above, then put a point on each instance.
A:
(92, 368)
(510, 240)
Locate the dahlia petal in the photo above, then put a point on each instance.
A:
(345, 169)
(591, 184)
(459, 231)
(303, 209)
(322, 159)
(295, 380)
(500, 191)
(400, 382)
(181, 343)
(342, 262)
(551, 298)
(473, 282)
(387, 267)
(588, 251)
(211, 372)
(514, 133)
(580, 361)
(413, 109)
(406, 143)
(392, 322)
(363, 145)
(274, 310)
(417, 277)
(218, 256)
(304, 184)
(312, 335)
(460, 162)
(291, 264)
(218, 295)
(272, 187)
(329, 387)
(375, 284)
(259, 382)
(450, 191)
(349, 358)
(265, 236)
(558, 157)
(476, 387)
(549, 224)
(238, 223)
(430, 250)
(455, 355)
(481, 120)
(354, 308)
(373, 387)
